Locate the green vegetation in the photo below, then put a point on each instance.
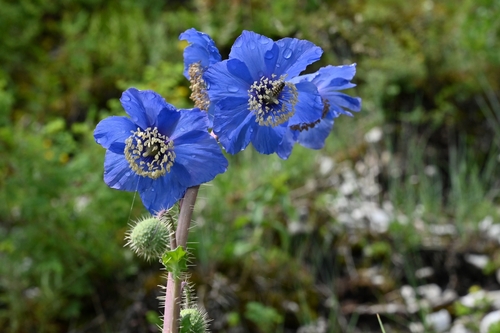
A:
(274, 241)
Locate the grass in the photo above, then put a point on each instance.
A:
(381, 325)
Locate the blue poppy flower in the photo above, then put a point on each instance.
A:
(159, 151)
(254, 97)
(329, 81)
(201, 50)
(198, 56)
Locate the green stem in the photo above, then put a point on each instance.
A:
(172, 295)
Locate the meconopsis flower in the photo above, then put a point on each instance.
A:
(198, 56)
(329, 80)
(159, 151)
(254, 96)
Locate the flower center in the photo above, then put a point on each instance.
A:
(149, 153)
(272, 100)
(198, 87)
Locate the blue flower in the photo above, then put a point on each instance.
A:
(201, 50)
(329, 80)
(159, 151)
(254, 96)
(198, 56)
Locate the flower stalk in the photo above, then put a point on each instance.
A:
(173, 293)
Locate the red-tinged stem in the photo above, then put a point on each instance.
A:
(172, 307)
(185, 215)
(173, 293)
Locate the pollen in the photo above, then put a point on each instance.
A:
(198, 87)
(272, 100)
(149, 153)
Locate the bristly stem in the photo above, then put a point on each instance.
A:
(172, 295)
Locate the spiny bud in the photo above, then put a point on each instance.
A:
(148, 238)
(193, 321)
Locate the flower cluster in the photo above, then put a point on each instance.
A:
(258, 95)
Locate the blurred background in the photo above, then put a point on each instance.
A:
(398, 214)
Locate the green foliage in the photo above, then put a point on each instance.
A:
(61, 226)
(494, 328)
(264, 317)
(474, 313)
(175, 261)
(165, 78)
(153, 317)
(72, 53)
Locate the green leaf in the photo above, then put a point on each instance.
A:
(175, 261)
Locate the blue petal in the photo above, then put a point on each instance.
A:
(132, 104)
(315, 137)
(201, 49)
(167, 121)
(345, 101)
(305, 77)
(285, 147)
(296, 55)
(163, 195)
(330, 78)
(233, 124)
(201, 157)
(143, 106)
(211, 115)
(266, 139)
(118, 175)
(251, 48)
(340, 84)
(222, 83)
(327, 83)
(190, 120)
(271, 59)
(113, 129)
(180, 174)
(190, 137)
(309, 108)
(337, 110)
(240, 70)
(346, 72)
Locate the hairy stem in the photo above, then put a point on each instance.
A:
(172, 295)
(172, 309)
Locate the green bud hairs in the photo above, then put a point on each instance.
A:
(149, 237)
(193, 321)
(192, 318)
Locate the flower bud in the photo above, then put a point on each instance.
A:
(148, 238)
(193, 321)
